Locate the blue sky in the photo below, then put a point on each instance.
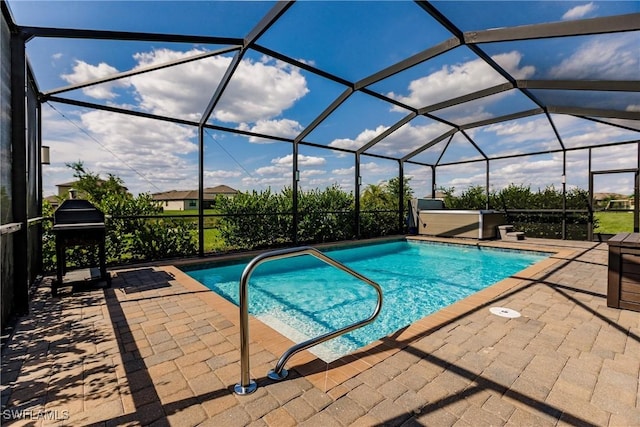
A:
(350, 40)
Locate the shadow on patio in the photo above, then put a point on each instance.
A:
(152, 350)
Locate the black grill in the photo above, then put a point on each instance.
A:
(78, 223)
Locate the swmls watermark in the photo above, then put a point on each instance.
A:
(35, 414)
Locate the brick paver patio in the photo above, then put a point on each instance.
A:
(159, 349)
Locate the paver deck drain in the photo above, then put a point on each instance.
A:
(504, 312)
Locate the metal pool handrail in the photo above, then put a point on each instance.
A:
(247, 385)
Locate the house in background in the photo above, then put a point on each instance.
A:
(64, 188)
(622, 204)
(63, 192)
(54, 201)
(613, 201)
(188, 199)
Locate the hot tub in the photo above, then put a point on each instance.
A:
(481, 224)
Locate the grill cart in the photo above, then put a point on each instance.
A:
(78, 222)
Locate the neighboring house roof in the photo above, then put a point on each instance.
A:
(209, 193)
(178, 195)
(603, 196)
(53, 200)
(220, 189)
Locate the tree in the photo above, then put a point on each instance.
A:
(379, 204)
(91, 186)
(128, 236)
(375, 197)
(472, 198)
(393, 187)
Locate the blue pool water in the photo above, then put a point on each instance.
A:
(303, 297)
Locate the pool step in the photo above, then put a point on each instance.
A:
(515, 235)
(507, 232)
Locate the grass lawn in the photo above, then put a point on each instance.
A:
(189, 212)
(614, 222)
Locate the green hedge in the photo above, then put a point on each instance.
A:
(534, 224)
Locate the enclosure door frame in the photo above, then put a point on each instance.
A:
(636, 185)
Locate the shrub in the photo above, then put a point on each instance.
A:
(265, 219)
(535, 224)
(326, 215)
(127, 239)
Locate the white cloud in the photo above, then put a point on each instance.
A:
(530, 168)
(372, 167)
(344, 171)
(67, 145)
(609, 57)
(279, 173)
(284, 165)
(544, 170)
(261, 90)
(180, 91)
(258, 91)
(308, 61)
(347, 143)
(595, 136)
(309, 160)
(633, 107)
(284, 128)
(302, 160)
(364, 137)
(256, 99)
(404, 140)
(460, 79)
(615, 157)
(510, 61)
(307, 173)
(410, 137)
(536, 172)
(271, 170)
(138, 146)
(577, 132)
(222, 174)
(522, 136)
(84, 72)
(578, 12)
(138, 135)
(148, 155)
(266, 182)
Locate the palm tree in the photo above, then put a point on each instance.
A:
(376, 197)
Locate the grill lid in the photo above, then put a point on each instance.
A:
(77, 211)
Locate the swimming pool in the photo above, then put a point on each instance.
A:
(303, 297)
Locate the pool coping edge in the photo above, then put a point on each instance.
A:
(329, 377)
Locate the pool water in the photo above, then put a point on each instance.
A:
(303, 297)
